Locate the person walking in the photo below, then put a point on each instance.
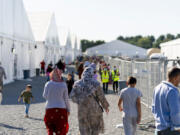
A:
(60, 65)
(2, 76)
(115, 78)
(80, 69)
(43, 64)
(70, 83)
(166, 104)
(130, 97)
(105, 80)
(48, 71)
(87, 93)
(26, 95)
(57, 104)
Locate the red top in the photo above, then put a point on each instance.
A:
(42, 64)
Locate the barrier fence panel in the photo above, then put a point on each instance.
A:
(148, 73)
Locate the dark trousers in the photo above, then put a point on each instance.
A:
(115, 86)
(105, 87)
(168, 132)
(42, 71)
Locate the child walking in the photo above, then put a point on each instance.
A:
(130, 97)
(70, 83)
(26, 95)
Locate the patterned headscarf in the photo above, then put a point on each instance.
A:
(84, 87)
(56, 75)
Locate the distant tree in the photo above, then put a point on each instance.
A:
(120, 38)
(177, 36)
(85, 44)
(145, 42)
(169, 37)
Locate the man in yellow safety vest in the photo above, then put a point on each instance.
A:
(105, 80)
(115, 78)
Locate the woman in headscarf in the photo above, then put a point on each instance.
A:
(57, 104)
(90, 98)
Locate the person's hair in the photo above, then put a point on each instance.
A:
(173, 72)
(60, 65)
(29, 86)
(69, 74)
(131, 80)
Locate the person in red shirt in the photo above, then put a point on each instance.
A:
(43, 67)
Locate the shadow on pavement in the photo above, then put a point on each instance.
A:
(10, 127)
(37, 119)
(12, 91)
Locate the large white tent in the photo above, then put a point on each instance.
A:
(68, 50)
(117, 48)
(46, 35)
(16, 40)
(171, 49)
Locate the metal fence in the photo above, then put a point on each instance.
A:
(148, 73)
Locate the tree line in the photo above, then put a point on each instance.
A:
(141, 41)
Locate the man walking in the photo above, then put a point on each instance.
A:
(105, 79)
(43, 64)
(115, 78)
(166, 105)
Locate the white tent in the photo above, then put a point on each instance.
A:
(117, 48)
(171, 49)
(68, 56)
(16, 40)
(46, 35)
(77, 48)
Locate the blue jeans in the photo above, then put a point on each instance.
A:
(27, 108)
(167, 132)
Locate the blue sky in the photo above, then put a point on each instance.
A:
(107, 19)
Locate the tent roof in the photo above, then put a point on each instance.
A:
(14, 22)
(40, 23)
(69, 41)
(172, 42)
(114, 44)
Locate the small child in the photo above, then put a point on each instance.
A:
(130, 97)
(26, 95)
(70, 83)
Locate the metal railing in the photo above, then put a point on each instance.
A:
(149, 74)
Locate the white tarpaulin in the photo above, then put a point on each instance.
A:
(171, 49)
(117, 48)
(16, 40)
(46, 34)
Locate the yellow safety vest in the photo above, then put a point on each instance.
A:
(115, 77)
(105, 77)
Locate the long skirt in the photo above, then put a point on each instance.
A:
(56, 121)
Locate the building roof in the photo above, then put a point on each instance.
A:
(116, 47)
(116, 43)
(40, 23)
(172, 42)
(14, 22)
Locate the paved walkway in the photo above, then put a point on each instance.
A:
(12, 121)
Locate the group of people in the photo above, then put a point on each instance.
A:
(88, 94)
(109, 76)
